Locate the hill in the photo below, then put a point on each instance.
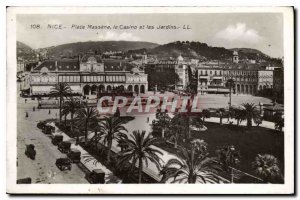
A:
(192, 49)
(204, 52)
(25, 52)
(99, 46)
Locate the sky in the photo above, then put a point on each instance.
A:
(262, 31)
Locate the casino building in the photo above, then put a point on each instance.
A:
(88, 75)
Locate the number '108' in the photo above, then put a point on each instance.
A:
(35, 26)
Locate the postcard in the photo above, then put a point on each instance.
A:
(150, 100)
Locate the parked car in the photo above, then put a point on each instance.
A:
(24, 181)
(57, 139)
(74, 155)
(64, 146)
(48, 129)
(96, 176)
(30, 151)
(63, 164)
(41, 125)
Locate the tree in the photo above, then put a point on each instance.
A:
(72, 106)
(229, 157)
(266, 166)
(65, 113)
(258, 120)
(162, 122)
(60, 91)
(85, 117)
(230, 84)
(205, 114)
(190, 167)
(239, 115)
(221, 113)
(176, 129)
(140, 151)
(111, 127)
(250, 112)
(278, 121)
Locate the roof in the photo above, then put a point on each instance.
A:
(61, 65)
(117, 65)
(98, 171)
(232, 66)
(73, 65)
(87, 56)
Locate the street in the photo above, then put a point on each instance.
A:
(43, 168)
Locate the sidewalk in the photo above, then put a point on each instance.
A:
(265, 124)
(109, 176)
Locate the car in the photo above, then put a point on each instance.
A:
(74, 155)
(64, 147)
(63, 164)
(41, 124)
(48, 129)
(30, 151)
(24, 181)
(57, 139)
(96, 176)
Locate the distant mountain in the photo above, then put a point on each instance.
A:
(204, 52)
(99, 46)
(193, 50)
(25, 52)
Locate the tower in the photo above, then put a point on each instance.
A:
(235, 58)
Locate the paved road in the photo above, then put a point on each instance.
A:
(43, 168)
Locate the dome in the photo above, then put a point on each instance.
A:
(44, 70)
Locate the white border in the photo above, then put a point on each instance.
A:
(286, 188)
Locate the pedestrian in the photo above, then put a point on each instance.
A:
(26, 115)
(25, 100)
(33, 109)
(147, 119)
(49, 112)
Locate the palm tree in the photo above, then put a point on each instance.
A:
(250, 112)
(230, 84)
(60, 91)
(190, 167)
(111, 128)
(266, 166)
(140, 150)
(72, 106)
(85, 117)
(239, 115)
(221, 113)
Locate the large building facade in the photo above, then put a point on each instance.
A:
(88, 75)
(179, 66)
(249, 78)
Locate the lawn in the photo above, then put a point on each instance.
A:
(249, 142)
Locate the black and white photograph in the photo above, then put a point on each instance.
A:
(150, 100)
